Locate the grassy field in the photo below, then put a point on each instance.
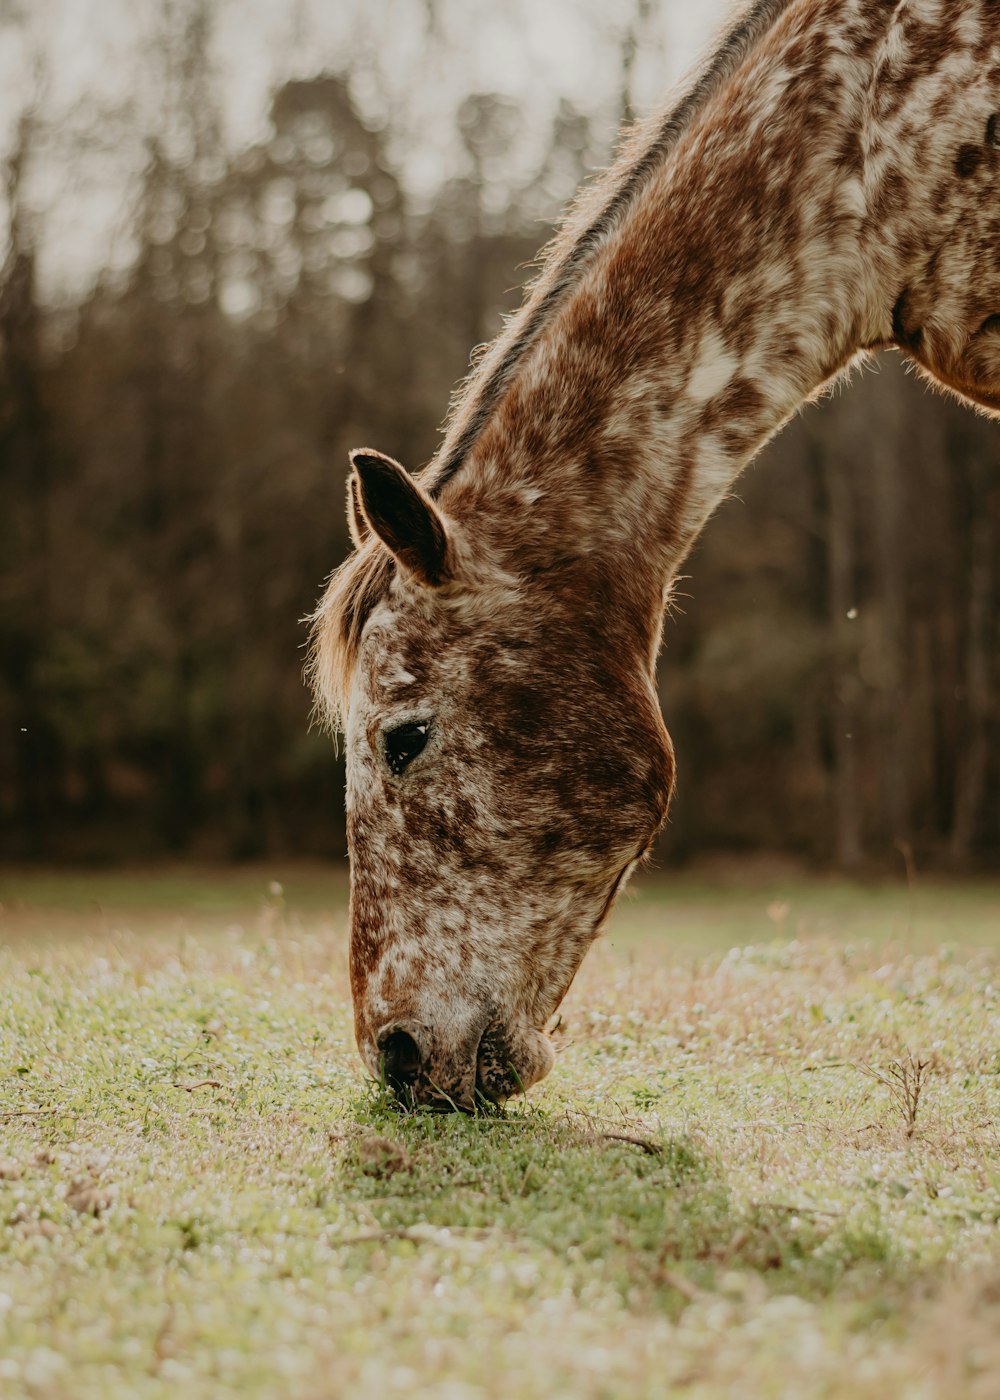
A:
(766, 1164)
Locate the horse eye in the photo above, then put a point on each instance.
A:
(993, 130)
(403, 744)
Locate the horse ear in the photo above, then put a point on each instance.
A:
(356, 522)
(403, 516)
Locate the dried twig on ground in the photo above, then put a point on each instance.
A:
(905, 1079)
(647, 1144)
(681, 1285)
(415, 1234)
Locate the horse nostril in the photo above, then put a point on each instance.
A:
(400, 1054)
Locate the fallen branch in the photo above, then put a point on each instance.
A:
(797, 1210)
(654, 1149)
(681, 1285)
(415, 1236)
(770, 1123)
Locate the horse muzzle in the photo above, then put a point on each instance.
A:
(426, 1068)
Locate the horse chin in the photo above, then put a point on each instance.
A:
(510, 1061)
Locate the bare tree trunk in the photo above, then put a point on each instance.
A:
(629, 49)
(26, 454)
(841, 584)
(970, 786)
(891, 560)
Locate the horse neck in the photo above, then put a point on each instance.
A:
(734, 285)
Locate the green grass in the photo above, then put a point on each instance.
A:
(712, 1195)
(715, 909)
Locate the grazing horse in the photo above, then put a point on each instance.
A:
(829, 185)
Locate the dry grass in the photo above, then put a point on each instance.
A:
(736, 1181)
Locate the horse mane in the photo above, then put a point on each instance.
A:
(593, 216)
(360, 583)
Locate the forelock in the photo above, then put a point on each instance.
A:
(353, 593)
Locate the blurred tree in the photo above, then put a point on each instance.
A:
(980, 673)
(26, 481)
(635, 28)
(845, 700)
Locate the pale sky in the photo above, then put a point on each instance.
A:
(88, 58)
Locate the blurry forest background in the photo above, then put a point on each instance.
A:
(210, 290)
